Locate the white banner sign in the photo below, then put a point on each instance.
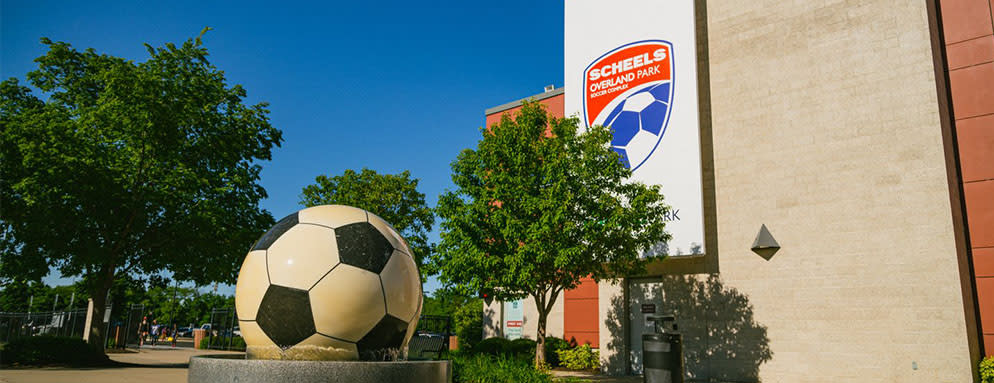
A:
(514, 319)
(632, 65)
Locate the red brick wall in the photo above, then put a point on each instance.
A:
(580, 314)
(553, 104)
(968, 27)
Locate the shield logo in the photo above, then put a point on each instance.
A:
(630, 89)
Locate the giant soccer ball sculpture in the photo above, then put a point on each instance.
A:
(329, 282)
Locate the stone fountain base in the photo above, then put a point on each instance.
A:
(235, 368)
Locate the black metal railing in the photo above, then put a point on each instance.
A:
(224, 333)
(69, 323)
(431, 338)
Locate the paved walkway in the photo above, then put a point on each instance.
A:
(168, 365)
(588, 377)
(163, 365)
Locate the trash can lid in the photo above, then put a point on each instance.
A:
(662, 337)
(654, 337)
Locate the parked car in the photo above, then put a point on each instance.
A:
(236, 331)
(207, 327)
(184, 332)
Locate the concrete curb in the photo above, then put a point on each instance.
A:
(235, 368)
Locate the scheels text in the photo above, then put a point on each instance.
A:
(627, 64)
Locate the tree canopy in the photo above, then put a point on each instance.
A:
(129, 167)
(538, 205)
(393, 197)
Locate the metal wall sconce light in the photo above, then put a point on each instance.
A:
(765, 245)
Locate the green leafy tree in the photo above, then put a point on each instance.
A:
(198, 309)
(170, 304)
(468, 323)
(393, 197)
(445, 301)
(538, 206)
(17, 296)
(131, 167)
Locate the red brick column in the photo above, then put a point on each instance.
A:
(968, 28)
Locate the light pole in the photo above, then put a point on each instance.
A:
(172, 316)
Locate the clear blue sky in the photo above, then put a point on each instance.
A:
(384, 85)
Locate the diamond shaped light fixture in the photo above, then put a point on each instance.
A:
(765, 245)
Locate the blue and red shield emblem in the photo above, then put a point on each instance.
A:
(630, 89)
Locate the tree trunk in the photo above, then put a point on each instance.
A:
(544, 304)
(99, 296)
(540, 338)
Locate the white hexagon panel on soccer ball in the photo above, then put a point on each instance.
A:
(389, 232)
(401, 285)
(302, 255)
(640, 146)
(347, 303)
(333, 216)
(257, 343)
(638, 101)
(253, 280)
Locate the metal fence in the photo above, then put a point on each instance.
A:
(70, 323)
(431, 339)
(224, 333)
(135, 327)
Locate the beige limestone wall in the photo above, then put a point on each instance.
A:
(491, 319)
(553, 328)
(611, 314)
(826, 129)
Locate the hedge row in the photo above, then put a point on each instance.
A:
(236, 343)
(555, 349)
(483, 368)
(51, 350)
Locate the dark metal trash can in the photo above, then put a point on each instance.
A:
(662, 353)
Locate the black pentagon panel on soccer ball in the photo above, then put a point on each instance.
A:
(361, 245)
(383, 341)
(285, 315)
(273, 234)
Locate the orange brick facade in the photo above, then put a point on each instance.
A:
(968, 31)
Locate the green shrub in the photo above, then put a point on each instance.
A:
(481, 368)
(237, 343)
(552, 347)
(495, 346)
(468, 320)
(580, 358)
(987, 370)
(522, 348)
(51, 350)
